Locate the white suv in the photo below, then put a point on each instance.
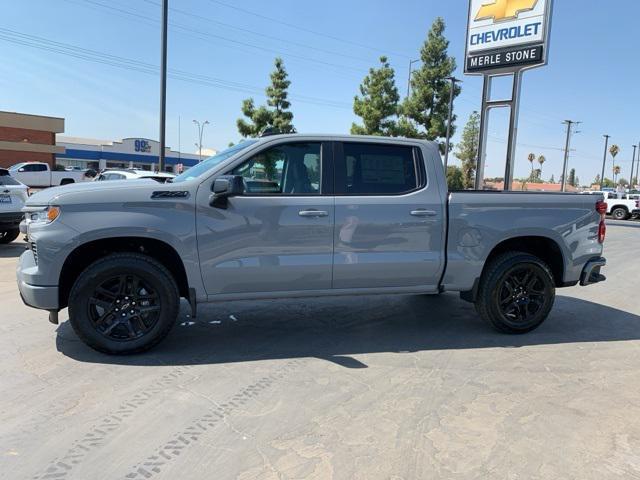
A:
(13, 195)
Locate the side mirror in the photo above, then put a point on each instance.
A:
(225, 187)
(21, 169)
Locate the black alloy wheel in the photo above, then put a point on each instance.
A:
(124, 307)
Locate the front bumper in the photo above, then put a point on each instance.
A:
(591, 271)
(43, 297)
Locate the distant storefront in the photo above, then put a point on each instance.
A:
(28, 138)
(139, 153)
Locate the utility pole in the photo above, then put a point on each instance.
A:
(411, 62)
(453, 81)
(200, 127)
(163, 85)
(569, 124)
(633, 161)
(604, 159)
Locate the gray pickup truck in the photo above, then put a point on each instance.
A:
(300, 216)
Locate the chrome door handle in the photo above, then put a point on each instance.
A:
(423, 213)
(313, 213)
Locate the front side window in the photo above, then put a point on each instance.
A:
(288, 169)
(376, 169)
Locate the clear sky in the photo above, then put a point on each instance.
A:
(221, 51)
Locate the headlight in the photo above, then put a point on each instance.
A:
(42, 216)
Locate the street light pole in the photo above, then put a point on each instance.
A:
(411, 62)
(163, 85)
(604, 159)
(200, 127)
(453, 81)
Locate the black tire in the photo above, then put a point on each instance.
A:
(619, 213)
(509, 301)
(105, 321)
(9, 236)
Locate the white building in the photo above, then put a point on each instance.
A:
(140, 153)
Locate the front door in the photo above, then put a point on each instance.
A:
(278, 236)
(389, 219)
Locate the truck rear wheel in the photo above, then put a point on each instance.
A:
(516, 293)
(124, 303)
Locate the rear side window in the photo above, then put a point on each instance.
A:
(376, 169)
(7, 180)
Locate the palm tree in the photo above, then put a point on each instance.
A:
(616, 172)
(531, 158)
(614, 150)
(541, 160)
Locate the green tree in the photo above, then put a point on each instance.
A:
(378, 105)
(541, 160)
(427, 108)
(608, 183)
(616, 172)
(467, 151)
(572, 177)
(259, 118)
(532, 158)
(552, 179)
(454, 178)
(277, 94)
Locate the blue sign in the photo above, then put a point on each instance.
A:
(142, 146)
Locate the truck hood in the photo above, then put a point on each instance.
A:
(113, 191)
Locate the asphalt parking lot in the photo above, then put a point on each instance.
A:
(352, 388)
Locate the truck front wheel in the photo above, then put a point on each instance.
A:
(516, 293)
(124, 303)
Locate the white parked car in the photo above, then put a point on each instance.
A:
(40, 175)
(13, 196)
(133, 174)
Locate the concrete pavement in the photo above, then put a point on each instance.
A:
(350, 388)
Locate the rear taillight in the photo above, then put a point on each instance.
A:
(601, 208)
(602, 231)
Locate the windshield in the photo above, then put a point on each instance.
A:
(211, 162)
(16, 167)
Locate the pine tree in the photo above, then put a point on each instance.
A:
(379, 102)
(468, 149)
(572, 177)
(427, 108)
(277, 94)
(279, 117)
(552, 179)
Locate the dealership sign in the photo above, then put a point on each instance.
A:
(507, 35)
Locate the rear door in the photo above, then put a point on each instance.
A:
(389, 218)
(278, 236)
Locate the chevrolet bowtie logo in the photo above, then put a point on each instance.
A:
(504, 9)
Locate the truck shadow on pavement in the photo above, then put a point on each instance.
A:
(335, 329)
(12, 250)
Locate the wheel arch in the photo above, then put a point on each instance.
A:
(545, 248)
(85, 254)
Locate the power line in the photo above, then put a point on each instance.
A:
(263, 35)
(143, 67)
(206, 36)
(303, 29)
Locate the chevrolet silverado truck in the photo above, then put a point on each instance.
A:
(288, 216)
(40, 175)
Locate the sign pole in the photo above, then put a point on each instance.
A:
(484, 130)
(513, 129)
